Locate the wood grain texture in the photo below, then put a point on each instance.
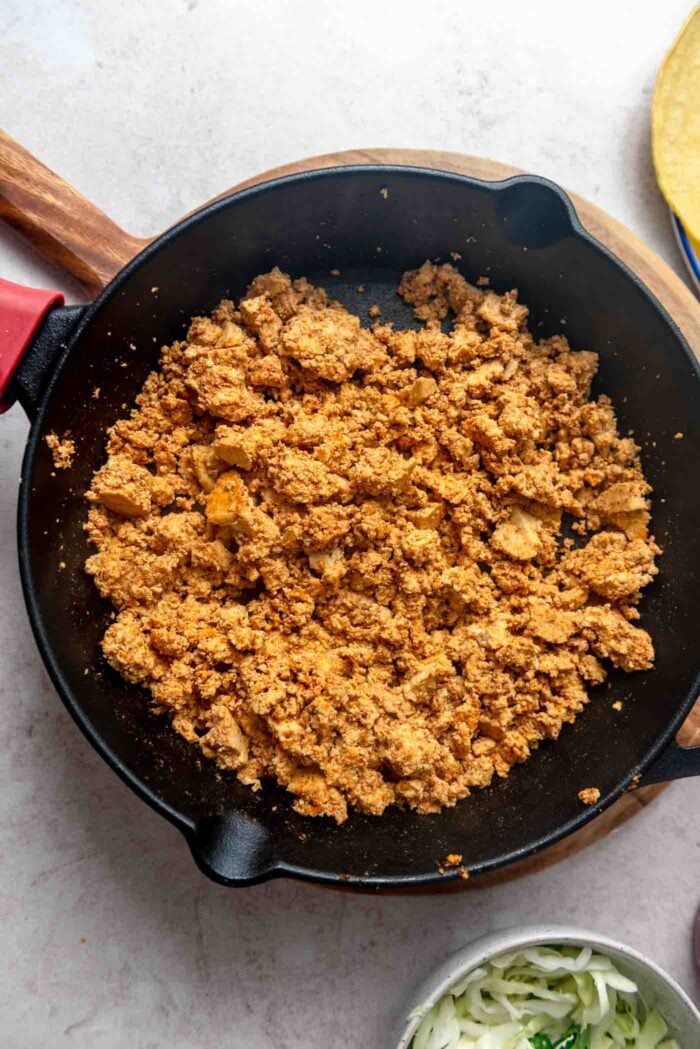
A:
(64, 227)
(61, 224)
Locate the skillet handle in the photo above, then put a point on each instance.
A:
(21, 313)
(41, 356)
(676, 762)
(233, 849)
(59, 222)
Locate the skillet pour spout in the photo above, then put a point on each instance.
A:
(522, 232)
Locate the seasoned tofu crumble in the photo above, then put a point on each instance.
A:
(342, 558)
(62, 450)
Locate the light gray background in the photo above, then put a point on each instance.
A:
(109, 937)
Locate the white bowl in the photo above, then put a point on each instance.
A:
(657, 988)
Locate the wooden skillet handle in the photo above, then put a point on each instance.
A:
(59, 222)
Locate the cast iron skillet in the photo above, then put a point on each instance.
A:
(521, 232)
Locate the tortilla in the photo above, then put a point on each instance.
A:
(676, 126)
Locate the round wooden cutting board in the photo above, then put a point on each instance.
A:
(70, 231)
(685, 310)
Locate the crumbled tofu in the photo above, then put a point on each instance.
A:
(328, 344)
(330, 564)
(421, 390)
(62, 450)
(614, 566)
(381, 471)
(337, 556)
(123, 487)
(207, 465)
(261, 320)
(224, 742)
(616, 639)
(243, 446)
(518, 536)
(624, 497)
(229, 506)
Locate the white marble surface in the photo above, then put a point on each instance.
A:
(110, 937)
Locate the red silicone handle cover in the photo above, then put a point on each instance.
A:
(21, 312)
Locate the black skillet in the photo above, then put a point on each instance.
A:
(520, 232)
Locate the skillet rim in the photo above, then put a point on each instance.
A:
(188, 826)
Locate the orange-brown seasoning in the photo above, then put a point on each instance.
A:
(337, 557)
